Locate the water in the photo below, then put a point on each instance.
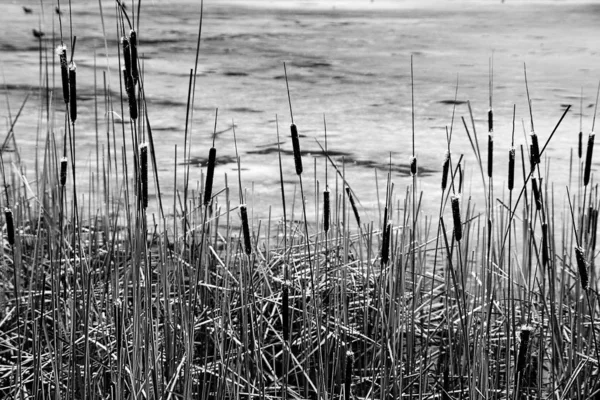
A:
(348, 62)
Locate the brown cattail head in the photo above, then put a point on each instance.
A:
(134, 56)
(73, 91)
(144, 174)
(588, 159)
(10, 226)
(353, 204)
(296, 146)
(456, 217)
(246, 229)
(63, 171)
(535, 149)
(445, 169)
(545, 245)
(210, 173)
(523, 349)
(348, 377)
(285, 304)
(385, 245)
(580, 145)
(326, 210)
(130, 90)
(511, 168)
(536, 193)
(490, 120)
(126, 56)
(490, 163)
(582, 267)
(61, 50)
(413, 165)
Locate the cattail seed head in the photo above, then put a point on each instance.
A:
(285, 304)
(580, 145)
(61, 50)
(490, 163)
(10, 226)
(73, 91)
(582, 267)
(523, 349)
(126, 55)
(460, 179)
(545, 245)
(63, 171)
(353, 204)
(445, 169)
(246, 229)
(296, 146)
(130, 90)
(413, 166)
(144, 174)
(535, 149)
(385, 246)
(134, 56)
(326, 210)
(536, 193)
(348, 377)
(490, 120)
(210, 173)
(456, 217)
(588, 159)
(511, 168)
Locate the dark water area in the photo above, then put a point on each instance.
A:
(348, 63)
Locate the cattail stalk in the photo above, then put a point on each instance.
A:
(10, 225)
(588, 159)
(296, 146)
(456, 217)
(582, 267)
(445, 169)
(246, 229)
(64, 70)
(210, 173)
(353, 204)
(63, 171)
(73, 91)
(144, 174)
(326, 211)
(134, 56)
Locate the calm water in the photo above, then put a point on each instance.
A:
(348, 61)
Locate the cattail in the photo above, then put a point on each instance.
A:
(286, 311)
(326, 210)
(582, 267)
(348, 377)
(531, 163)
(296, 145)
(73, 91)
(580, 145)
(535, 149)
(63, 171)
(385, 246)
(460, 179)
(10, 225)
(134, 56)
(545, 250)
(490, 163)
(353, 204)
(413, 166)
(61, 50)
(445, 169)
(126, 56)
(511, 168)
(246, 229)
(144, 174)
(130, 90)
(536, 194)
(456, 217)
(523, 349)
(490, 120)
(588, 159)
(210, 173)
